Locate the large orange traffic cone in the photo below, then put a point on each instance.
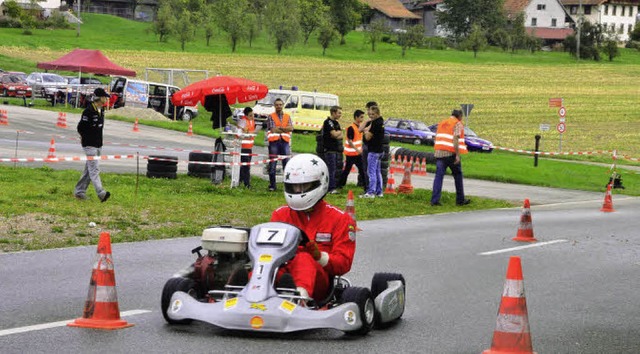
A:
(190, 130)
(512, 326)
(52, 150)
(406, 187)
(62, 120)
(350, 208)
(101, 308)
(525, 230)
(391, 185)
(607, 206)
(4, 117)
(135, 126)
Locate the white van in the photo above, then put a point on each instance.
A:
(145, 94)
(307, 109)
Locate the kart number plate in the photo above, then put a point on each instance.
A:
(271, 236)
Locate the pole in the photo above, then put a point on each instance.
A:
(15, 154)
(78, 21)
(535, 157)
(579, 17)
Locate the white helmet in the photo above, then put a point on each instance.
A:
(306, 181)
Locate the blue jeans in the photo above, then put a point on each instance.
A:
(375, 175)
(279, 147)
(441, 168)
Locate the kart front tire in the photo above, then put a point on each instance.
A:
(380, 283)
(171, 286)
(366, 308)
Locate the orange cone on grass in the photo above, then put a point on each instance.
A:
(135, 126)
(62, 120)
(4, 117)
(350, 208)
(512, 334)
(525, 230)
(190, 130)
(406, 187)
(607, 206)
(391, 185)
(52, 150)
(101, 308)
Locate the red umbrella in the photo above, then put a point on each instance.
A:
(235, 89)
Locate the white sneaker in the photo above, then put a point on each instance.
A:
(381, 195)
(368, 196)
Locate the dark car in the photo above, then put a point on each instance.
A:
(471, 139)
(13, 86)
(409, 131)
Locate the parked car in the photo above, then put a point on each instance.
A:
(409, 131)
(473, 141)
(44, 84)
(13, 86)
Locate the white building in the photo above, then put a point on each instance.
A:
(619, 17)
(546, 19)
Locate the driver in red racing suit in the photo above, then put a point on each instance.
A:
(331, 231)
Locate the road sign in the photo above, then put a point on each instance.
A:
(544, 127)
(562, 112)
(466, 108)
(561, 127)
(555, 102)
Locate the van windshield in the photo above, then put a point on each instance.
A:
(272, 96)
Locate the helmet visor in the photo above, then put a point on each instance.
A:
(300, 188)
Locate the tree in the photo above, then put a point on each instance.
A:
(310, 16)
(518, 33)
(591, 37)
(412, 37)
(610, 48)
(231, 18)
(253, 28)
(184, 28)
(283, 20)
(375, 29)
(326, 33)
(477, 40)
(458, 16)
(210, 23)
(165, 21)
(13, 9)
(344, 14)
(502, 39)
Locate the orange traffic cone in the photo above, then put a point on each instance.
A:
(512, 326)
(101, 308)
(406, 187)
(422, 170)
(190, 130)
(135, 126)
(4, 117)
(607, 206)
(525, 230)
(52, 150)
(62, 120)
(350, 208)
(391, 185)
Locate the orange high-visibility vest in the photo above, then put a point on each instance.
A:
(271, 137)
(444, 136)
(247, 141)
(357, 142)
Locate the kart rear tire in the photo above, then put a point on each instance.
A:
(366, 308)
(171, 286)
(380, 283)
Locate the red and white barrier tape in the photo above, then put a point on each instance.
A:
(554, 153)
(73, 158)
(308, 125)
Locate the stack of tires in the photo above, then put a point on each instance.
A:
(200, 170)
(160, 166)
(384, 161)
(401, 154)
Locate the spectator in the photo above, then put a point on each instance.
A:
(279, 128)
(332, 142)
(373, 136)
(248, 126)
(353, 151)
(90, 128)
(449, 145)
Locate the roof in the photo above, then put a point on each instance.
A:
(431, 3)
(549, 33)
(584, 2)
(514, 7)
(391, 8)
(87, 61)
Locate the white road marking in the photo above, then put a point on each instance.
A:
(6, 332)
(538, 244)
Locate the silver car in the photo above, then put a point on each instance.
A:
(44, 84)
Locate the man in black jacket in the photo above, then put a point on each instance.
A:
(332, 142)
(90, 129)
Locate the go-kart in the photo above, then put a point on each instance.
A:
(258, 303)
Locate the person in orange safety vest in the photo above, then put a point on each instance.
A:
(279, 128)
(248, 126)
(353, 151)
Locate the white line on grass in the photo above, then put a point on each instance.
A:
(6, 332)
(521, 247)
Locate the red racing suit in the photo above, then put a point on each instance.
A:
(334, 232)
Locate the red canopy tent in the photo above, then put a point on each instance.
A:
(86, 61)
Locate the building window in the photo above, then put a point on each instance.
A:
(630, 11)
(587, 10)
(621, 29)
(606, 9)
(613, 10)
(534, 22)
(622, 10)
(574, 10)
(542, 7)
(554, 22)
(613, 27)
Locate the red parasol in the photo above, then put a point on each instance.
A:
(235, 89)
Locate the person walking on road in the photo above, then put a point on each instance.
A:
(449, 145)
(90, 128)
(353, 151)
(373, 136)
(279, 128)
(332, 142)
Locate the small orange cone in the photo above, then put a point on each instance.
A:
(4, 117)
(525, 230)
(350, 208)
(62, 120)
(406, 187)
(607, 206)
(190, 131)
(52, 150)
(101, 308)
(135, 126)
(422, 171)
(391, 185)
(512, 334)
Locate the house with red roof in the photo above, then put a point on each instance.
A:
(545, 19)
(393, 12)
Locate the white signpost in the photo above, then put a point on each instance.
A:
(561, 127)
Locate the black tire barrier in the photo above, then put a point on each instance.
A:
(198, 167)
(163, 160)
(162, 168)
(401, 153)
(169, 175)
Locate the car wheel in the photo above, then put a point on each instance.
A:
(187, 115)
(366, 308)
(380, 283)
(417, 141)
(171, 286)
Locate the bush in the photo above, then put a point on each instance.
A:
(56, 20)
(8, 22)
(434, 43)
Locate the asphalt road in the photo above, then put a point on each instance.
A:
(582, 292)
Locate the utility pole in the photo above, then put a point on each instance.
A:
(78, 20)
(579, 25)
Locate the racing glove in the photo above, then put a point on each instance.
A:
(312, 248)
